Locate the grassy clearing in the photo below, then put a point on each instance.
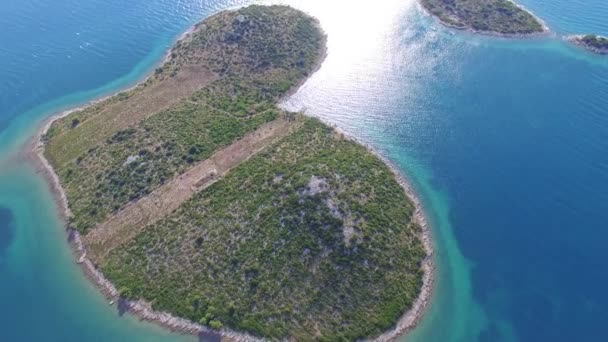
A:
(128, 222)
(231, 45)
(500, 16)
(71, 136)
(135, 161)
(258, 54)
(311, 239)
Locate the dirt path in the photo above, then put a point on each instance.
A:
(114, 114)
(131, 220)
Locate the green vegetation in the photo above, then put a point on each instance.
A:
(593, 42)
(135, 159)
(232, 46)
(493, 16)
(596, 41)
(311, 239)
(308, 237)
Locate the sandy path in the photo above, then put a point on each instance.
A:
(116, 115)
(131, 220)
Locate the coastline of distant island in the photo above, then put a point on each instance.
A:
(494, 17)
(503, 18)
(590, 42)
(90, 261)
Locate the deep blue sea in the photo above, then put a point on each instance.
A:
(506, 141)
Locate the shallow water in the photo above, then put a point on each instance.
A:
(7, 230)
(44, 296)
(505, 140)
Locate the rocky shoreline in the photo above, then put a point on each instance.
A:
(142, 309)
(34, 153)
(410, 319)
(545, 31)
(578, 41)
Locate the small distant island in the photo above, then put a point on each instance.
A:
(501, 17)
(194, 201)
(591, 42)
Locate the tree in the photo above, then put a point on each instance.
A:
(125, 292)
(215, 324)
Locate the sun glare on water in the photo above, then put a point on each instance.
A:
(356, 30)
(365, 50)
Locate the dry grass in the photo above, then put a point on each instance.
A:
(495, 16)
(218, 84)
(99, 122)
(310, 239)
(131, 220)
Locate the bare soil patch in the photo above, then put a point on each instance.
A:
(127, 223)
(112, 115)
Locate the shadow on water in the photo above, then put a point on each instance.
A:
(209, 337)
(6, 232)
(71, 235)
(122, 305)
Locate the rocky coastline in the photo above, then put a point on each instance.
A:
(579, 40)
(544, 32)
(143, 310)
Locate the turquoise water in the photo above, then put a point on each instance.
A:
(44, 297)
(505, 141)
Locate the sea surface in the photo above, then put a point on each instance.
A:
(506, 142)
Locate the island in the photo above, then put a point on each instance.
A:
(194, 201)
(498, 17)
(591, 42)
